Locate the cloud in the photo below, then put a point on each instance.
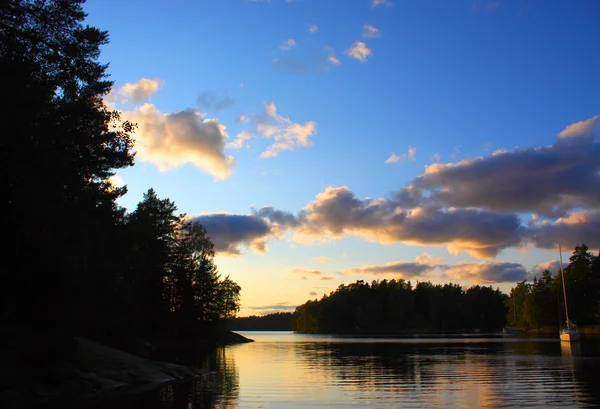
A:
(239, 140)
(272, 308)
(580, 129)
(326, 278)
(307, 272)
(242, 119)
(313, 28)
(116, 181)
(331, 58)
(136, 93)
(573, 229)
(286, 134)
(209, 100)
(553, 266)
(476, 272)
(405, 269)
(471, 206)
(370, 31)
(230, 231)
(172, 140)
(375, 3)
(312, 294)
(359, 50)
(279, 217)
(288, 44)
(337, 212)
(487, 272)
(395, 158)
(427, 258)
(549, 180)
(322, 259)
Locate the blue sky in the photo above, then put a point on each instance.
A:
(308, 99)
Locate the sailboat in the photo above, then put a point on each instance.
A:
(569, 332)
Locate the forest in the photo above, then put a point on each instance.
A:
(395, 306)
(74, 261)
(540, 303)
(279, 321)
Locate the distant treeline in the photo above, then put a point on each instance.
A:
(279, 321)
(73, 259)
(541, 303)
(395, 306)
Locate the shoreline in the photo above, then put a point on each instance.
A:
(89, 373)
(588, 330)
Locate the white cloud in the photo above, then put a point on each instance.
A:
(370, 31)
(116, 181)
(136, 93)
(427, 258)
(171, 140)
(395, 158)
(287, 135)
(359, 50)
(238, 142)
(313, 28)
(322, 259)
(288, 44)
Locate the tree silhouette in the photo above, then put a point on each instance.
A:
(75, 260)
(390, 307)
(57, 204)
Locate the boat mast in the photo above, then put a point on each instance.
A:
(562, 273)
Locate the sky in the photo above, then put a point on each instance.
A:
(322, 142)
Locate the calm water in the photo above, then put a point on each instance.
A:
(285, 370)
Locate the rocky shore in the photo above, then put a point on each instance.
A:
(84, 371)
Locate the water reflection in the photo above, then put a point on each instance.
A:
(284, 370)
(570, 349)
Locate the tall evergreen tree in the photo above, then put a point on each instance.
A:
(152, 232)
(57, 205)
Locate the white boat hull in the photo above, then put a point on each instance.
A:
(569, 336)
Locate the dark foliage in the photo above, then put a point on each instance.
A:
(279, 321)
(391, 307)
(74, 260)
(541, 303)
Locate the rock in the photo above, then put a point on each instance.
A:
(92, 371)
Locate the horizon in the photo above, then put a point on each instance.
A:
(320, 144)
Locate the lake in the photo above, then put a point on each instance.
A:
(286, 370)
